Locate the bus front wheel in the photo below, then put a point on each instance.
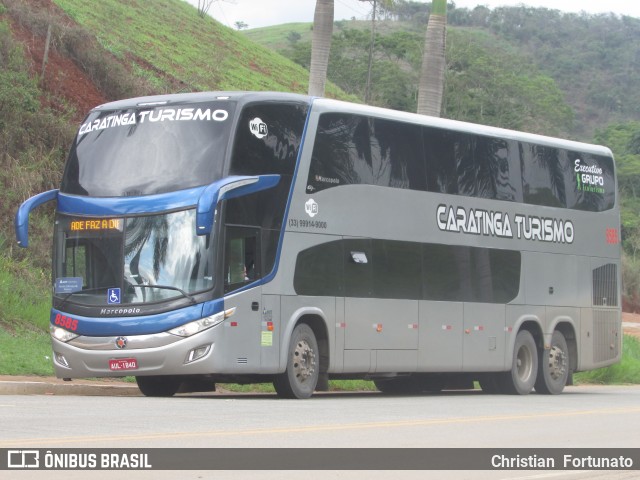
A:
(553, 370)
(159, 386)
(521, 379)
(300, 378)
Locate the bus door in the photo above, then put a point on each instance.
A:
(242, 270)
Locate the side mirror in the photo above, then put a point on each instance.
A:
(229, 187)
(22, 215)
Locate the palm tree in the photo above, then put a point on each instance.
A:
(320, 46)
(431, 86)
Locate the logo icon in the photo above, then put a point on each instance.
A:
(23, 459)
(113, 295)
(311, 207)
(121, 342)
(258, 128)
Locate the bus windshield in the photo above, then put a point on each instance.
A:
(149, 149)
(142, 259)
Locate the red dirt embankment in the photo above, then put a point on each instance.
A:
(63, 79)
(631, 324)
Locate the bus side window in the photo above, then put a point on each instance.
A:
(241, 263)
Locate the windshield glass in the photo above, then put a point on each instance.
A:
(149, 150)
(145, 259)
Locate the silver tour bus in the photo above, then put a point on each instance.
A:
(270, 237)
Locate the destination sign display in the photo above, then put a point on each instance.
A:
(96, 224)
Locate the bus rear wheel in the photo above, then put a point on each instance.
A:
(521, 379)
(300, 378)
(553, 370)
(158, 386)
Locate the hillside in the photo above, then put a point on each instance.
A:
(592, 60)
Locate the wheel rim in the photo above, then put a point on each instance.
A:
(557, 363)
(304, 361)
(524, 362)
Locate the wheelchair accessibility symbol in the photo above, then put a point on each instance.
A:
(113, 295)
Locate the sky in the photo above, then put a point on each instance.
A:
(262, 13)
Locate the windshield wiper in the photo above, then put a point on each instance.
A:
(167, 287)
(161, 287)
(87, 290)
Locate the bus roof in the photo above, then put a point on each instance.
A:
(329, 105)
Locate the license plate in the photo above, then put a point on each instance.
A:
(123, 364)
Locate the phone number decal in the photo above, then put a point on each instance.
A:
(303, 223)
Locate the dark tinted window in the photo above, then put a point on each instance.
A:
(408, 270)
(471, 165)
(341, 153)
(268, 137)
(543, 174)
(497, 169)
(149, 150)
(267, 141)
(397, 157)
(358, 268)
(397, 269)
(319, 270)
(441, 159)
(352, 149)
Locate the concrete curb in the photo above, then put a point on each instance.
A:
(53, 387)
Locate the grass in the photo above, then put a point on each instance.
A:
(625, 372)
(177, 48)
(26, 299)
(27, 353)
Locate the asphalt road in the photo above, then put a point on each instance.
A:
(582, 417)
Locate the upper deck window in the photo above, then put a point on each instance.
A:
(149, 150)
(357, 149)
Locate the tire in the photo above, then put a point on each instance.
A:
(300, 378)
(553, 368)
(159, 386)
(521, 379)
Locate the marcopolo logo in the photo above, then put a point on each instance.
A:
(258, 128)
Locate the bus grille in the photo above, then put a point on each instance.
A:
(605, 285)
(606, 335)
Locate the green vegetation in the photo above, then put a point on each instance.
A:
(502, 88)
(181, 51)
(625, 372)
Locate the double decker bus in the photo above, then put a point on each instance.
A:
(271, 237)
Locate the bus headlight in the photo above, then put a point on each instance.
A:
(198, 326)
(61, 334)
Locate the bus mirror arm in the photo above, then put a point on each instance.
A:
(225, 189)
(22, 215)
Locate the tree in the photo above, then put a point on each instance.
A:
(431, 85)
(367, 91)
(240, 25)
(204, 6)
(320, 46)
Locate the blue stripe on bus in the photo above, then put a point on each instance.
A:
(267, 278)
(140, 325)
(96, 206)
